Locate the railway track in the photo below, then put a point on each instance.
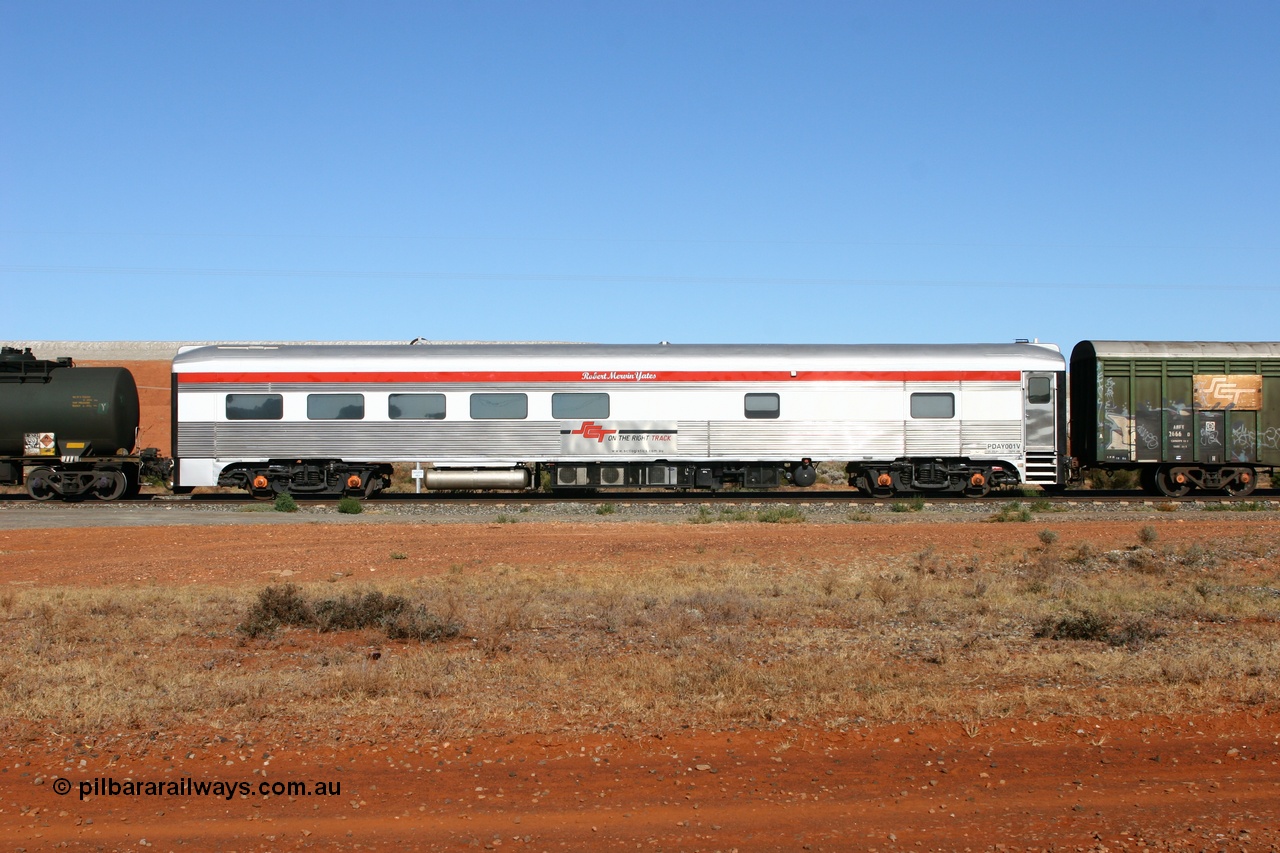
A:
(727, 499)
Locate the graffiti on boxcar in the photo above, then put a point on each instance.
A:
(1243, 442)
(1116, 421)
(1150, 440)
(1210, 436)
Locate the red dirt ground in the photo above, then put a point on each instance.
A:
(1206, 782)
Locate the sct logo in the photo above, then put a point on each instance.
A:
(591, 429)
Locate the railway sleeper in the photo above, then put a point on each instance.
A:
(930, 476)
(307, 477)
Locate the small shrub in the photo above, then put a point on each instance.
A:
(606, 509)
(417, 624)
(503, 518)
(1147, 535)
(1080, 626)
(1144, 560)
(780, 515)
(350, 506)
(1048, 537)
(397, 555)
(1013, 511)
(1096, 627)
(703, 516)
(277, 606)
(1084, 555)
(1133, 635)
(1197, 556)
(927, 562)
(1237, 506)
(350, 612)
(286, 503)
(1120, 480)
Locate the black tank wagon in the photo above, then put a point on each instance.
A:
(68, 431)
(1202, 415)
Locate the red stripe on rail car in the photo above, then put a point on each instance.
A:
(604, 376)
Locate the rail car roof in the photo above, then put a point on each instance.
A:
(1175, 349)
(572, 357)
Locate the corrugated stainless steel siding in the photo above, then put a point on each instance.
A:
(932, 438)
(975, 435)
(372, 440)
(693, 440)
(541, 440)
(816, 439)
(195, 441)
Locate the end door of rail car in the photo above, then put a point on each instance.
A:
(1045, 425)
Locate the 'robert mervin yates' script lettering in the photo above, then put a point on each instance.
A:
(638, 376)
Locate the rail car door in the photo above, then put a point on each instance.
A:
(1042, 410)
(1041, 394)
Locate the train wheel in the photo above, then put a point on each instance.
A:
(38, 485)
(110, 485)
(880, 484)
(979, 485)
(1172, 485)
(1243, 485)
(261, 488)
(132, 481)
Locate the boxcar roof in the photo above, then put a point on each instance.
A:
(1176, 349)
(573, 357)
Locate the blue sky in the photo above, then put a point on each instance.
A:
(642, 171)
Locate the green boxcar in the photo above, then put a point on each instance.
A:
(1186, 414)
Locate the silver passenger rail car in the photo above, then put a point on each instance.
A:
(333, 419)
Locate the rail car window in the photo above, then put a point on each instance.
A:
(1039, 389)
(335, 407)
(925, 405)
(762, 406)
(255, 407)
(416, 407)
(499, 406)
(572, 407)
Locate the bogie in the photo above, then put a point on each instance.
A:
(309, 478)
(1177, 481)
(931, 476)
